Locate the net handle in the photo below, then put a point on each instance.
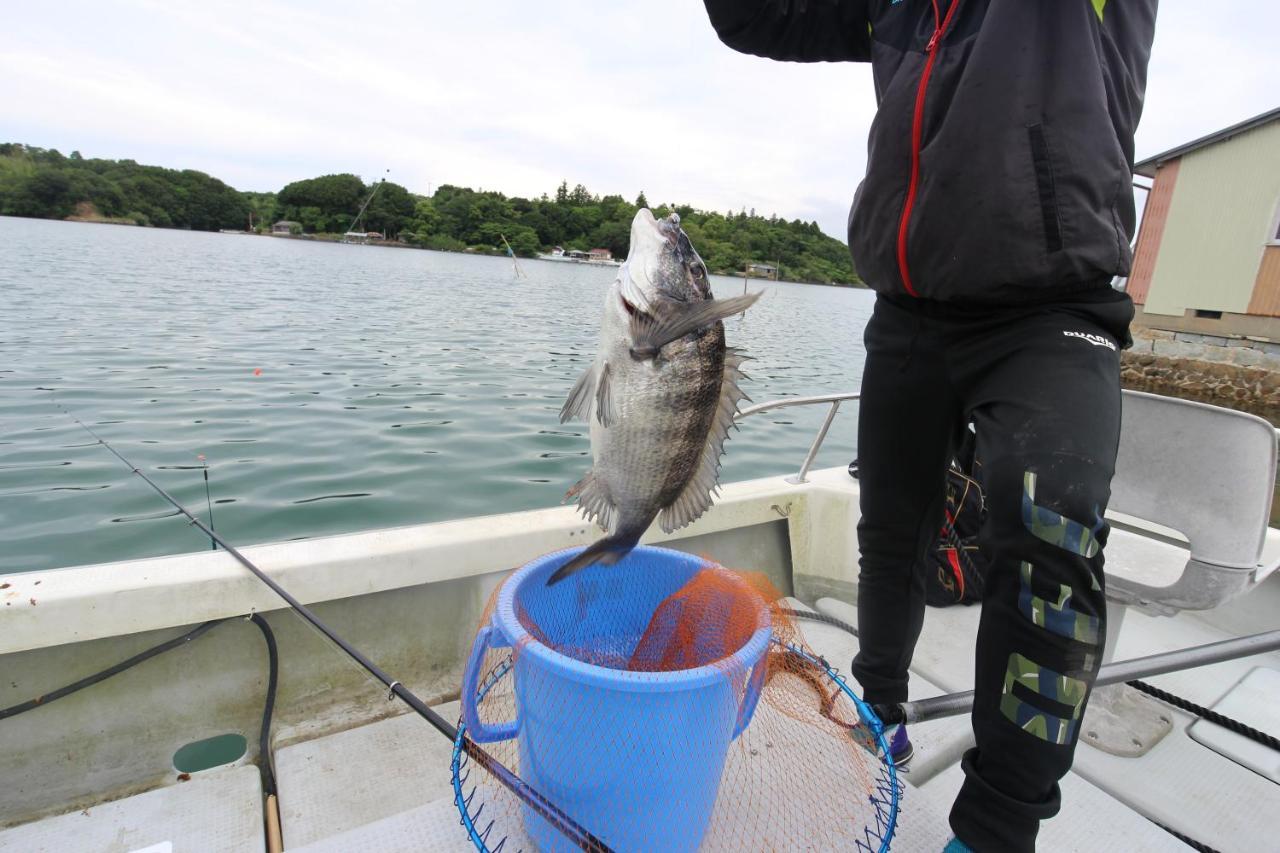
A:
(478, 731)
(751, 696)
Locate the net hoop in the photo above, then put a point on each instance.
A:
(885, 799)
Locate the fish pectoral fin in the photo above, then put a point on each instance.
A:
(594, 501)
(650, 333)
(696, 497)
(578, 406)
(606, 412)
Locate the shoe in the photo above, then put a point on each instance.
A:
(900, 748)
(955, 845)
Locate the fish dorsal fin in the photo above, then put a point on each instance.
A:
(578, 406)
(593, 501)
(696, 496)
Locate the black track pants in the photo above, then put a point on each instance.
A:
(1041, 384)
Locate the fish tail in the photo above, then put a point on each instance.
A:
(606, 552)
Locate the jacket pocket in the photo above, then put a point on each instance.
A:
(1046, 188)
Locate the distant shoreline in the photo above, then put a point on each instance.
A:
(42, 182)
(384, 244)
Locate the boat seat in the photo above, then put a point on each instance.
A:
(217, 811)
(1206, 472)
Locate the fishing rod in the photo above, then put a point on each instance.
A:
(514, 262)
(1116, 672)
(527, 794)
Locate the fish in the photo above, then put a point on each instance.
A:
(660, 397)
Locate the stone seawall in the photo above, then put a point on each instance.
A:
(1237, 373)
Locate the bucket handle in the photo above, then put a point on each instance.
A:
(476, 730)
(751, 696)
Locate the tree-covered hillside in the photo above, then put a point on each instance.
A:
(43, 183)
(456, 216)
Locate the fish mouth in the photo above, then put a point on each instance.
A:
(667, 228)
(655, 245)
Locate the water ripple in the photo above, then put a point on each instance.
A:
(310, 353)
(334, 497)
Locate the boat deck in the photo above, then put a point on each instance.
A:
(217, 810)
(352, 778)
(384, 786)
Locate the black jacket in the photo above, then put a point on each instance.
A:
(1000, 158)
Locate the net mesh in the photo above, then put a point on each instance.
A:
(663, 703)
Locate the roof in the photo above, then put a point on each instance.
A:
(1147, 167)
(286, 222)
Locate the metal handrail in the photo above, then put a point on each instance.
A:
(833, 399)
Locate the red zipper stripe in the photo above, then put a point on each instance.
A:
(916, 130)
(954, 559)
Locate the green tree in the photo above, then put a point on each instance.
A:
(524, 241)
(332, 201)
(390, 210)
(39, 182)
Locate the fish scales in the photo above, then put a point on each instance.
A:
(660, 397)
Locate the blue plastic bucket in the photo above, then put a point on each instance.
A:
(634, 757)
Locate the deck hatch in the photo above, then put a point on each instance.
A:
(210, 752)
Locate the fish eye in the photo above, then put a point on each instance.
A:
(698, 270)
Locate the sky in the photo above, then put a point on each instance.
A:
(621, 96)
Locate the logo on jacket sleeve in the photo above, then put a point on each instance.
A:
(1096, 340)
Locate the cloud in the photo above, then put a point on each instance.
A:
(514, 96)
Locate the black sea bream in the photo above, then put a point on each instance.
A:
(660, 397)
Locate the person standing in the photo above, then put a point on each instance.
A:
(996, 209)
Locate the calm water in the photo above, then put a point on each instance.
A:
(331, 388)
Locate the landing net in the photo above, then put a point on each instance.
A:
(665, 703)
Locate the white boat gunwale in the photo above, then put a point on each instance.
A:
(375, 583)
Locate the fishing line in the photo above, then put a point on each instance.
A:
(208, 499)
(540, 804)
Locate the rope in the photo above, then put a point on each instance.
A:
(88, 681)
(268, 707)
(1186, 839)
(1206, 714)
(820, 617)
(273, 673)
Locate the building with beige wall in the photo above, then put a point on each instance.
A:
(1208, 254)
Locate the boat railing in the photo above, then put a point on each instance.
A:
(832, 400)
